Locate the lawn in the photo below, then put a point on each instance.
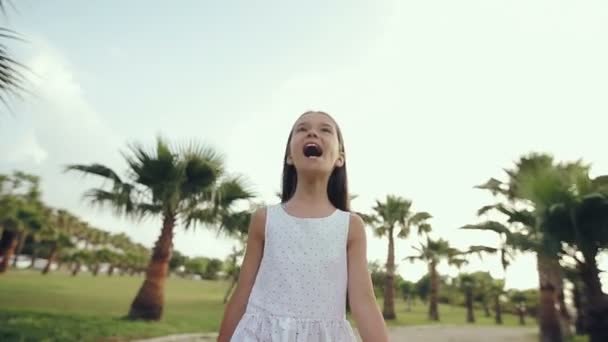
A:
(59, 307)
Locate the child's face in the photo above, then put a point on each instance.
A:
(314, 145)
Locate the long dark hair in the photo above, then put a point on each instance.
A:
(337, 187)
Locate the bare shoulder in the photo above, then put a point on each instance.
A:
(257, 225)
(356, 228)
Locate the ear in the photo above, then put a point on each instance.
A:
(289, 161)
(340, 161)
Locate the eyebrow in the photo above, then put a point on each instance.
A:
(306, 123)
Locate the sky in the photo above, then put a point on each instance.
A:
(433, 97)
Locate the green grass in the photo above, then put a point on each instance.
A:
(59, 307)
(448, 315)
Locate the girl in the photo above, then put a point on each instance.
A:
(306, 253)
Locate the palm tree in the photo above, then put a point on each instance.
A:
(101, 256)
(11, 77)
(20, 210)
(232, 270)
(56, 233)
(518, 298)
(433, 252)
(580, 305)
(466, 283)
(177, 184)
(496, 291)
(120, 243)
(526, 232)
(394, 214)
(78, 258)
(579, 217)
(235, 224)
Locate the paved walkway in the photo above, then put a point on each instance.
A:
(435, 333)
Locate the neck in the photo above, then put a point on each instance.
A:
(311, 190)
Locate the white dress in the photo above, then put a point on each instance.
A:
(299, 294)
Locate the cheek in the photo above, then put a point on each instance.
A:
(292, 149)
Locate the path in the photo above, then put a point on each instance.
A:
(435, 333)
(462, 334)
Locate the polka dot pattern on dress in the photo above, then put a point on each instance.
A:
(300, 290)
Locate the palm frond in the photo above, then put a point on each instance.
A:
(523, 242)
(424, 228)
(412, 258)
(202, 216)
(489, 226)
(485, 209)
(494, 186)
(145, 209)
(380, 231)
(12, 78)
(97, 170)
(368, 219)
(482, 249)
(458, 262)
(231, 190)
(235, 224)
(120, 202)
(420, 217)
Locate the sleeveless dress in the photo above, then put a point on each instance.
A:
(299, 294)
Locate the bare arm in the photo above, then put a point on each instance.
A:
(361, 295)
(253, 255)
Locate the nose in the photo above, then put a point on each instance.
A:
(312, 133)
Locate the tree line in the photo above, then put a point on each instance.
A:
(555, 210)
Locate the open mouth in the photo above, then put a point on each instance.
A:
(312, 150)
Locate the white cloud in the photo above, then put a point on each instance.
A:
(24, 149)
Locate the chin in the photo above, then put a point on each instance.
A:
(313, 170)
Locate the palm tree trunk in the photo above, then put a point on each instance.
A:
(111, 270)
(434, 292)
(96, 268)
(469, 304)
(4, 241)
(389, 287)
(34, 257)
(22, 237)
(409, 302)
(52, 257)
(564, 315)
(76, 268)
(596, 313)
(148, 304)
(579, 323)
(548, 315)
(486, 307)
(9, 249)
(521, 312)
(497, 310)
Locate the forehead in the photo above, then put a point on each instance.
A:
(315, 118)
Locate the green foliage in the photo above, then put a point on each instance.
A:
(406, 288)
(206, 268)
(528, 298)
(177, 260)
(188, 182)
(396, 213)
